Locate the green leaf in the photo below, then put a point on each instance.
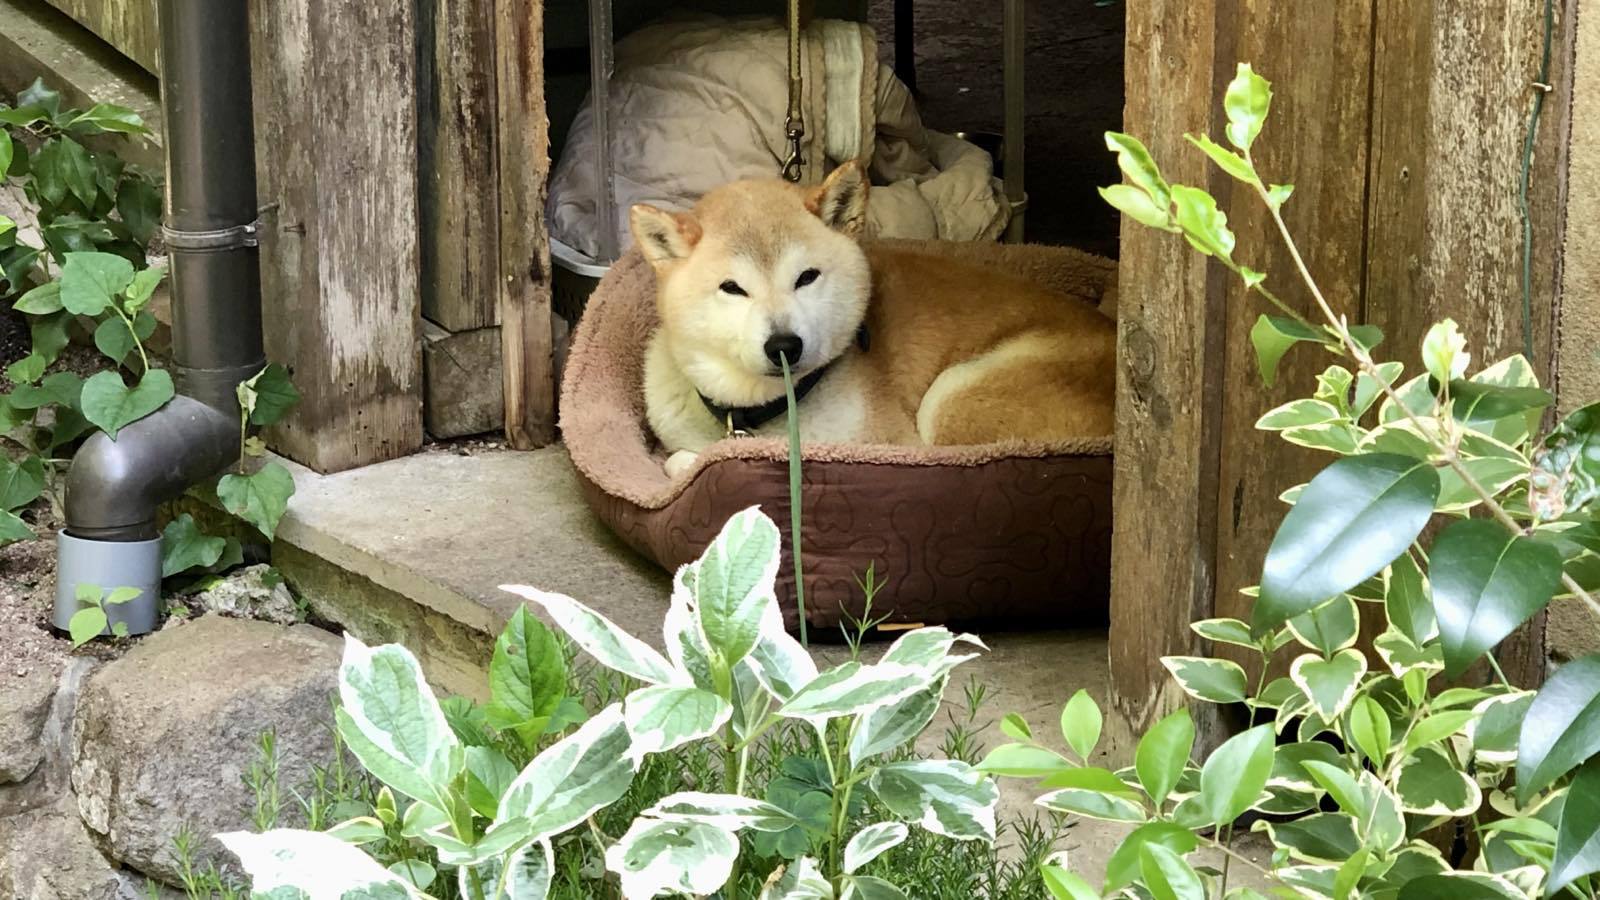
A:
(1016, 727)
(1371, 730)
(1330, 684)
(1562, 728)
(139, 207)
(184, 546)
(1162, 753)
(489, 773)
(1369, 389)
(1437, 727)
(871, 842)
(1430, 784)
(60, 388)
(271, 395)
(733, 584)
(1064, 885)
(1211, 680)
(359, 830)
(1202, 222)
(1407, 602)
(801, 880)
(1229, 161)
(1578, 836)
(1494, 733)
(1246, 101)
(21, 482)
(600, 637)
(113, 338)
(1272, 336)
(1093, 805)
(892, 725)
(1167, 876)
(41, 301)
(90, 281)
(104, 117)
(730, 812)
(143, 287)
(1088, 778)
(260, 498)
(1081, 723)
(1567, 478)
(666, 716)
(13, 528)
(1298, 413)
(1236, 773)
(1123, 866)
(527, 678)
(1444, 352)
(37, 95)
(112, 405)
(1134, 160)
(1317, 838)
(1279, 194)
(583, 772)
(1138, 206)
(1480, 406)
(49, 335)
(1461, 886)
(1351, 521)
(852, 688)
(1225, 631)
(1487, 582)
(1023, 761)
(945, 797)
(86, 624)
(7, 152)
(27, 370)
(1328, 628)
(387, 707)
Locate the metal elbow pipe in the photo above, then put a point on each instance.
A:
(114, 487)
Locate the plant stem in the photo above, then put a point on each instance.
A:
(1498, 673)
(1368, 367)
(144, 361)
(1227, 840)
(732, 781)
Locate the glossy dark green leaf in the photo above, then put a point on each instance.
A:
(40, 96)
(1407, 602)
(139, 207)
(1318, 838)
(1480, 405)
(1578, 836)
(1486, 582)
(1123, 866)
(1460, 886)
(184, 546)
(1236, 773)
(527, 678)
(1562, 727)
(103, 117)
(1272, 336)
(1351, 521)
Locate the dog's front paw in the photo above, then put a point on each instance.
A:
(680, 462)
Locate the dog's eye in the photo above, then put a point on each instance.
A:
(806, 278)
(732, 287)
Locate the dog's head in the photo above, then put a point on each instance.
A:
(757, 272)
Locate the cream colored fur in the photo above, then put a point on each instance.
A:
(958, 354)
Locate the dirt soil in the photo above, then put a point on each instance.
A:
(27, 580)
(1074, 95)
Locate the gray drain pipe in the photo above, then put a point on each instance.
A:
(114, 487)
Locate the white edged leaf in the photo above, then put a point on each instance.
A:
(867, 887)
(577, 775)
(945, 797)
(1430, 784)
(1211, 680)
(319, 864)
(871, 842)
(662, 717)
(733, 584)
(730, 812)
(387, 707)
(600, 637)
(658, 857)
(895, 724)
(799, 880)
(1093, 805)
(1225, 631)
(852, 688)
(1330, 684)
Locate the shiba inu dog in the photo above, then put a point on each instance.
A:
(885, 345)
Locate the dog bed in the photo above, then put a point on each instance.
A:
(1007, 534)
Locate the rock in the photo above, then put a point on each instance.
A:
(254, 592)
(24, 706)
(47, 854)
(163, 736)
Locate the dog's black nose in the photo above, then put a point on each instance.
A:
(780, 346)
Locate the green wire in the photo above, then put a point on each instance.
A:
(1527, 169)
(794, 498)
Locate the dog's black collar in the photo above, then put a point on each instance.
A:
(744, 419)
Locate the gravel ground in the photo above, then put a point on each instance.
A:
(1073, 96)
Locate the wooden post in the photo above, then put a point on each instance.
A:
(336, 130)
(523, 140)
(1401, 124)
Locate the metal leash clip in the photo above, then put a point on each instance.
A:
(732, 431)
(796, 130)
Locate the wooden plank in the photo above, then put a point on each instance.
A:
(462, 391)
(1170, 310)
(1315, 138)
(1452, 89)
(458, 189)
(335, 95)
(128, 25)
(523, 143)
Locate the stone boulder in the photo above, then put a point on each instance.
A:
(163, 736)
(253, 592)
(24, 706)
(47, 854)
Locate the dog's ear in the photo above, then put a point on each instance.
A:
(663, 236)
(841, 200)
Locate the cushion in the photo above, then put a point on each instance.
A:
(1010, 534)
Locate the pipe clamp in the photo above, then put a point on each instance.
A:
(235, 238)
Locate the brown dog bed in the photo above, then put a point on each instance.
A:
(1007, 533)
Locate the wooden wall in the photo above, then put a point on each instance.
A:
(1401, 124)
(128, 25)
